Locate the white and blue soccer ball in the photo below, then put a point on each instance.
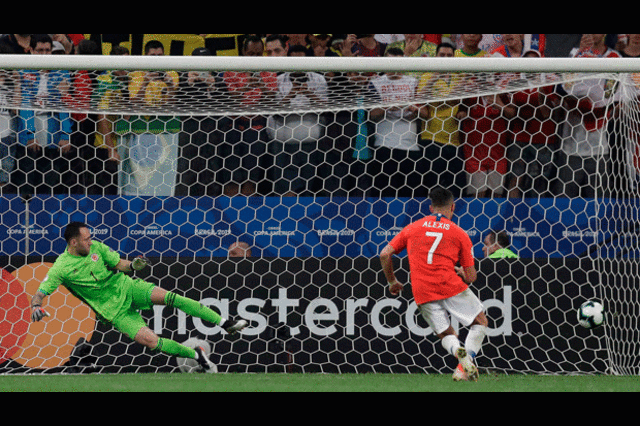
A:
(591, 314)
(186, 365)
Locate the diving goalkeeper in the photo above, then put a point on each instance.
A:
(116, 298)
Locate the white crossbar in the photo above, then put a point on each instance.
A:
(320, 64)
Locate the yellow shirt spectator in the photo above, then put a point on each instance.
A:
(442, 125)
(157, 92)
(479, 54)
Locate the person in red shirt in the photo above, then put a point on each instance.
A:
(435, 246)
(484, 129)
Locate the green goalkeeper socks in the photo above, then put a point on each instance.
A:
(170, 347)
(193, 308)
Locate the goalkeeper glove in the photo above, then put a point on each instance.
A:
(37, 313)
(139, 263)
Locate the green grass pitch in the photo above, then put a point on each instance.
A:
(313, 383)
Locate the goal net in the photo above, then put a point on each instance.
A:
(266, 189)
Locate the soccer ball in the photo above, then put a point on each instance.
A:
(186, 365)
(591, 314)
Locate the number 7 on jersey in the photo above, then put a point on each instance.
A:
(436, 243)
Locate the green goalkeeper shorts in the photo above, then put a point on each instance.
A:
(129, 321)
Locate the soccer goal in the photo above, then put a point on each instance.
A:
(265, 188)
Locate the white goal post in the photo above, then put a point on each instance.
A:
(315, 164)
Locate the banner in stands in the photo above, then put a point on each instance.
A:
(306, 227)
(149, 152)
(174, 44)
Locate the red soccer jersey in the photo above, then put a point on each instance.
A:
(435, 245)
(485, 133)
(530, 126)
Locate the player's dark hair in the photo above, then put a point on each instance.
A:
(440, 197)
(73, 230)
(502, 238)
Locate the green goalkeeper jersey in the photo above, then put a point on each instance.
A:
(89, 279)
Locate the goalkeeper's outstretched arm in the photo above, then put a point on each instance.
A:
(124, 266)
(138, 264)
(37, 313)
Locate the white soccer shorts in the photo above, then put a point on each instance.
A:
(464, 307)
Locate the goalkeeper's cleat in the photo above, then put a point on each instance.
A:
(459, 375)
(203, 361)
(467, 364)
(233, 326)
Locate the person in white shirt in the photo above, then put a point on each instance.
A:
(295, 135)
(584, 156)
(399, 164)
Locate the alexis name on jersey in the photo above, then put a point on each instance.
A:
(436, 225)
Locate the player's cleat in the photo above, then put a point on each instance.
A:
(467, 364)
(459, 375)
(233, 326)
(204, 362)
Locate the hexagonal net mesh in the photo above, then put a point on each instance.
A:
(269, 195)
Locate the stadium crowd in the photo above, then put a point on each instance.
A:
(535, 142)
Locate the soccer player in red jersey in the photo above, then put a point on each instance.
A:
(435, 246)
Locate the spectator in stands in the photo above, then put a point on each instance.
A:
(496, 246)
(8, 122)
(276, 45)
(201, 137)
(512, 46)
(300, 40)
(415, 45)
(83, 135)
(65, 42)
(201, 86)
(440, 135)
(337, 43)
(348, 146)
(44, 135)
(484, 131)
(594, 46)
(153, 89)
(399, 161)
(112, 91)
(632, 47)
(58, 48)
(321, 45)
(583, 160)
(389, 38)
(149, 144)
(561, 45)
(244, 148)
(298, 51)
(534, 128)
(362, 45)
(19, 44)
(204, 88)
(295, 136)
(470, 46)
